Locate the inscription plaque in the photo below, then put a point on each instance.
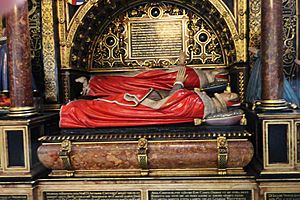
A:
(100, 195)
(159, 39)
(283, 196)
(201, 194)
(13, 197)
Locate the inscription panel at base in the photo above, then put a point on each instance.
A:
(201, 194)
(282, 196)
(13, 197)
(100, 195)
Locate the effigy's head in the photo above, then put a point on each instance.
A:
(229, 96)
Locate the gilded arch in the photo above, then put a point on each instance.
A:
(236, 22)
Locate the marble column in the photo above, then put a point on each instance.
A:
(272, 49)
(19, 61)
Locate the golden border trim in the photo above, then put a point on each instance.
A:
(51, 87)
(239, 38)
(277, 166)
(296, 142)
(152, 172)
(13, 169)
(156, 137)
(67, 30)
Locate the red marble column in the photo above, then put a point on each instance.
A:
(19, 60)
(272, 49)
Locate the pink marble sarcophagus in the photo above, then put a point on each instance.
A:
(159, 154)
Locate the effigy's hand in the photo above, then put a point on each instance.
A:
(181, 75)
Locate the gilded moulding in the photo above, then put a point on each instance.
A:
(62, 32)
(238, 37)
(1, 26)
(51, 87)
(33, 7)
(254, 23)
(68, 30)
(242, 25)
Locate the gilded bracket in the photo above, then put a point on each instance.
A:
(142, 156)
(198, 121)
(243, 121)
(222, 155)
(64, 155)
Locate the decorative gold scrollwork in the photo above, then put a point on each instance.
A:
(290, 36)
(142, 156)
(222, 154)
(205, 39)
(70, 29)
(254, 23)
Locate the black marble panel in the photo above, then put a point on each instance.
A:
(277, 143)
(15, 148)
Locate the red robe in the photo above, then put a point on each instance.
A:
(104, 86)
(114, 111)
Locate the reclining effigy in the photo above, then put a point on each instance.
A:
(133, 104)
(89, 144)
